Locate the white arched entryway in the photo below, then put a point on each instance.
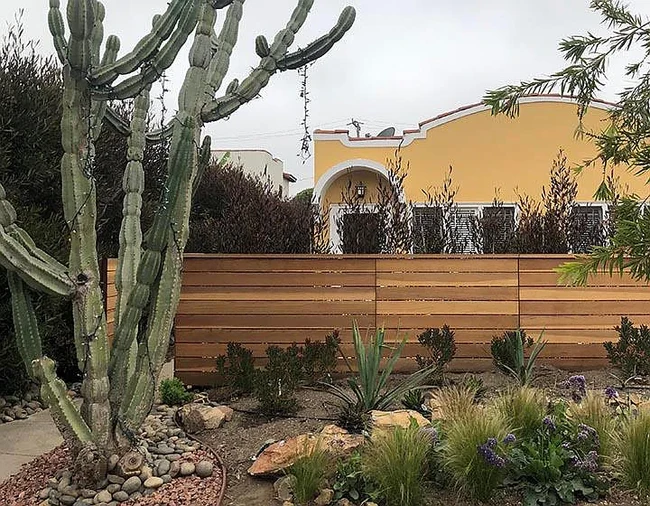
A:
(349, 167)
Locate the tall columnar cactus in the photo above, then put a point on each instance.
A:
(119, 380)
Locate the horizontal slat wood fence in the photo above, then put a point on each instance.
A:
(258, 300)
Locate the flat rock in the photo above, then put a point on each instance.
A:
(114, 478)
(278, 456)
(284, 487)
(387, 420)
(199, 417)
(324, 498)
(153, 482)
(227, 412)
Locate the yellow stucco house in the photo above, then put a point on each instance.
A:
(487, 153)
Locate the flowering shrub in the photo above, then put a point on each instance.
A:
(558, 464)
(577, 385)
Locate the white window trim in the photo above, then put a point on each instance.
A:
(336, 211)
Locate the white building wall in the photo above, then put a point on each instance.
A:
(258, 163)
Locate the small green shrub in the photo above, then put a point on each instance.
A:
(557, 464)
(320, 357)
(349, 482)
(508, 354)
(173, 392)
(634, 452)
(523, 409)
(275, 385)
(368, 388)
(310, 473)
(440, 345)
(237, 368)
(395, 463)
(631, 353)
(474, 453)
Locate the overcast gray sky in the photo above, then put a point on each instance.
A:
(401, 63)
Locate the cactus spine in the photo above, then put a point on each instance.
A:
(119, 383)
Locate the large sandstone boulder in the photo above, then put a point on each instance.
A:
(281, 455)
(382, 421)
(198, 417)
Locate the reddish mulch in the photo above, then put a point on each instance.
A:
(22, 488)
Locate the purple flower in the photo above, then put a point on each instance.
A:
(611, 393)
(509, 439)
(578, 386)
(490, 457)
(491, 442)
(549, 423)
(588, 463)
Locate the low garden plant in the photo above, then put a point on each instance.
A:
(349, 481)
(633, 448)
(455, 402)
(275, 385)
(523, 409)
(309, 474)
(631, 353)
(174, 393)
(415, 400)
(319, 358)
(508, 354)
(558, 463)
(236, 369)
(440, 345)
(595, 411)
(368, 389)
(395, 463)
(475, 452)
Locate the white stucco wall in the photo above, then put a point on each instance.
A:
(259, 163)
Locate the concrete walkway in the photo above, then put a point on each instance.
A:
(23, 440)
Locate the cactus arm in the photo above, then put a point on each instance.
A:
(81, 20)
(205, 154)
(57, 29)
(320, 46)
(153, 69)
(225, 44)
(130, 230)
(117, 122)
(251, 86)
(74, 429)
(28, 337)
(97, 33)
(146, 48)
(99, 107)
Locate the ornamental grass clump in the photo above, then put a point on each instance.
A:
(633, 447)
(396, 465)
(523, 408)
(595, 412)
(454, 402)
(475, 453)
(309, 474)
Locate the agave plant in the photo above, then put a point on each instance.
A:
(519, 368)
(368, 390)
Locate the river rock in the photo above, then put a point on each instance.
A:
(67, 500)
(324, 498)
(153, 482)
(174, 469)
(163, 467)
(131, 485)
(278, 456)
(104, 496)
(145, 473)
(114, 487)
(120, 496)
(204, 469)
(112, 461)
(187, 468)
(114, 478)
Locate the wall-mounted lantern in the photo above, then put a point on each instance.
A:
(361, 190)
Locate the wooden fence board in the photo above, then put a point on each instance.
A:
(257, 300)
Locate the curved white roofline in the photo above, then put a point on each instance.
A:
(409, 136)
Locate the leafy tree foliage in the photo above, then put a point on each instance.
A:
(623, 142)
